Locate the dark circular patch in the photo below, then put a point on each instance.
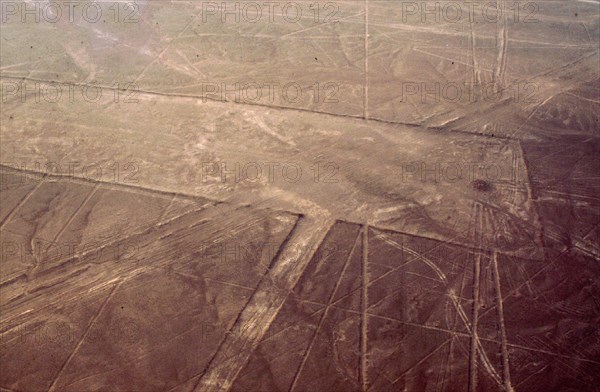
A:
(481, 185)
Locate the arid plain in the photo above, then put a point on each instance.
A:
(354, 195)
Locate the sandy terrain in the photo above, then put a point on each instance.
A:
(356, 195)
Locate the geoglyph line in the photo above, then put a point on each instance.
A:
(265, 303)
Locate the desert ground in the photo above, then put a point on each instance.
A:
(302, 196)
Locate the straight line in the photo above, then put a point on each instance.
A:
(155, 59)
(264, 304)
(279, 107)
(363, 309)
(166, 210)
(505, 360)
(192, 197)
(425, 358)
(473, 359)
(476, 279)
(22, 202)
(89, 327)
(128, 187)
(558, 355)
(453, 241)
(80, 208)
(366, 89)
(238, 320)
(502, 36)
(324, 314)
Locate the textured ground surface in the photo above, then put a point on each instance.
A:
(320, 196)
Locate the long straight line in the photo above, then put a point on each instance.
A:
(265, 303)
(364, 306)
(366, 89)
(22, 202)
(325, 313)
(84, 335)
(205, 98)
(476, 291)
(473, 359)
(505, 358)
(76, 212)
